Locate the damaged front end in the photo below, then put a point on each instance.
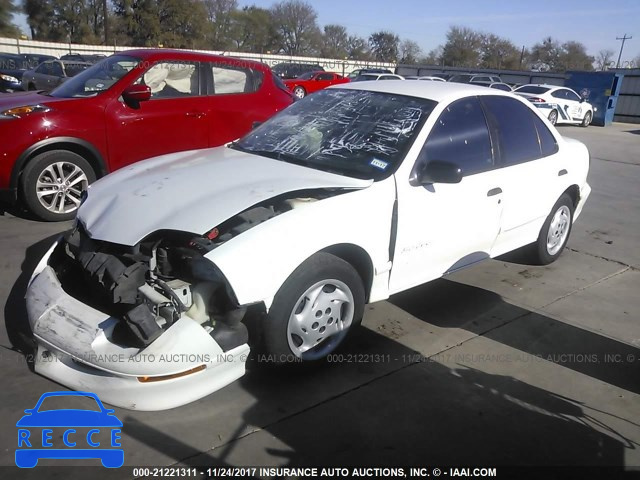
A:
(147, 327)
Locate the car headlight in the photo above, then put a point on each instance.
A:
(19, 112)
(9, 78)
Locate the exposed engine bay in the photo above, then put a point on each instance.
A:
(165, 277)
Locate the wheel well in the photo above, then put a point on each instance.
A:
(359, 259)
(86, 153)
(574, 192)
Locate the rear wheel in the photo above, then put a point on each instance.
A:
(555, 231)
(553, 117)
(314, 310)
(299, 92)
(586, 120)
(31, 86)
(53, 182)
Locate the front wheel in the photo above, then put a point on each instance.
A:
(555, 231)
(299, 92)
(53, 182)
(586, 120)
(314, 310)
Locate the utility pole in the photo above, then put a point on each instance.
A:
(624, 39)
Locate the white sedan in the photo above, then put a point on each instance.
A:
(348, 196)
(560, 104)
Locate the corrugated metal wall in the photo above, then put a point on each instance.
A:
(628, 107)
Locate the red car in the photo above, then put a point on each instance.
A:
(313, 81)
(131, 106)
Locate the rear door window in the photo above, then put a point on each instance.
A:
(228, 79)
(522, 136)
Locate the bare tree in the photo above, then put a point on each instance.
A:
(335, 42)
(220, 16)
(384, 46)
(604, 59)
(409, 52)
(358, 48)
(296, 23)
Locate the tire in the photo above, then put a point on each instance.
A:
(314, 310)
(299, 92)
(553, 117)
(31, 87)
(555, 231)
(62, 173)
(587, 119)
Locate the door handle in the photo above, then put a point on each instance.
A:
(562, 172)
(195, 114)
(494, 191)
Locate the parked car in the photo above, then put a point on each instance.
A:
(559, 104)
(350, 195)
(35, 59)
(78, 57)
(288, 70)
(430, 78)
(505, 87)
(360, 71)
(133, 105)
(377, 76)
(11, 70)
(50, 74)
(313, 81)
(475, 79)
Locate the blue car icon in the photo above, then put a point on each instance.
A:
(79, 440)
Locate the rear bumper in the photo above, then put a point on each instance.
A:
(75, 348)
(585, 191)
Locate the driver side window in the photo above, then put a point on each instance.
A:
(460, 136)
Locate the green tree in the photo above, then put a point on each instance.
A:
(434, 57)
(220, 14)
(463, 48)
(498, 53)
(335, 42)
(546, 55)
(297, 27)
(39, 13)
(253, 30)
(384, 46)
(573, 56)
(7, 28)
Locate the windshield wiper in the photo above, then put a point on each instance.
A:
(276, 155)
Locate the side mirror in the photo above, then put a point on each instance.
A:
(437, 171)
(582, 99)
(134, 94)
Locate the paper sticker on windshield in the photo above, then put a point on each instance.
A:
(379, 164)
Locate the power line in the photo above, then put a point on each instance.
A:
(624, 39)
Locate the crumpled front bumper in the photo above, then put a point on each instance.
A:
(74, 348)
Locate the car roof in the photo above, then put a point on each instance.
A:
(437, 91)
(153, 54)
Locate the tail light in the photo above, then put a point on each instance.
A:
(537, 100)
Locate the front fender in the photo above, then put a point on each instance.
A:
(257, 262)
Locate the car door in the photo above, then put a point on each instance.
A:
(531, 171)
(234, 100)
(173, 120)
(571, 108)
(322, 80)
(43, 76)
(442, 227)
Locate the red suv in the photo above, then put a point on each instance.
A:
(131, 106)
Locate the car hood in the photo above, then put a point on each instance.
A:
(193, 192)
(19, 99)
(14, 73)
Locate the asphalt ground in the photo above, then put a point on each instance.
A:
(500, 364)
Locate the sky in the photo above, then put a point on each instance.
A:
(595, 23)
